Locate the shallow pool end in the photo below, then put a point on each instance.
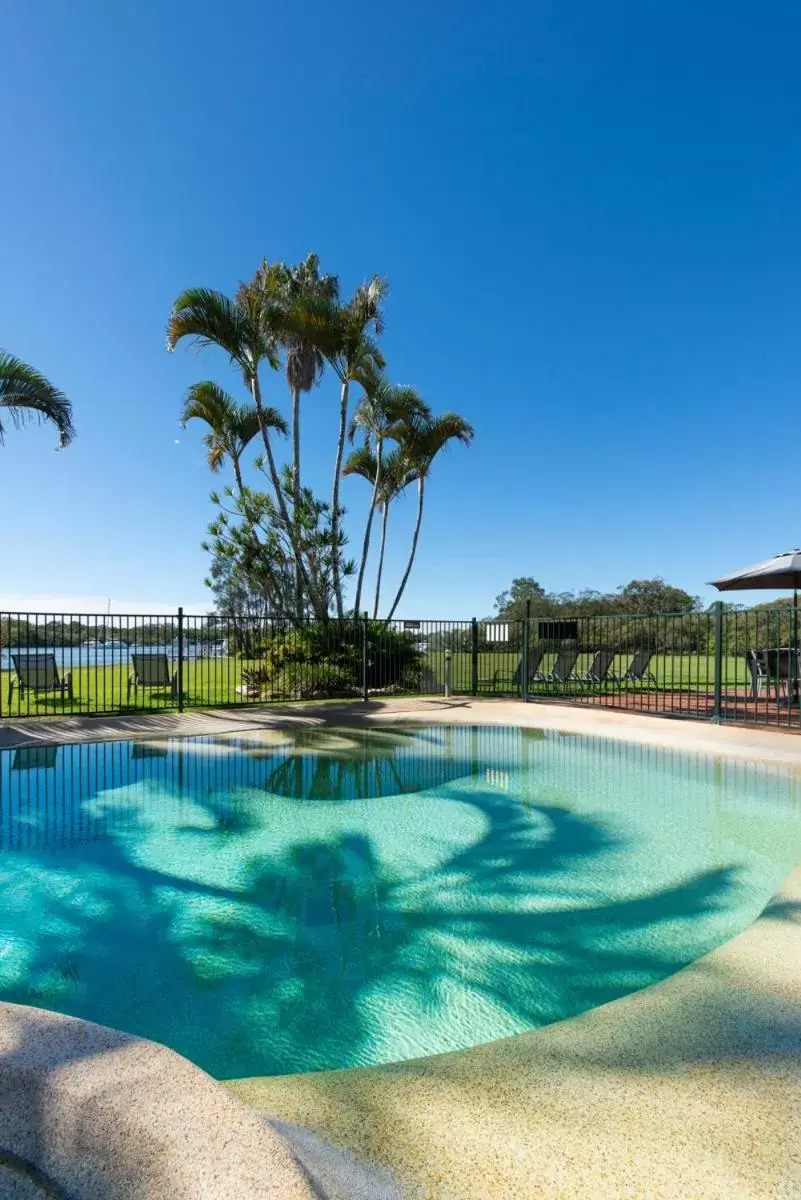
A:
(689, 1089)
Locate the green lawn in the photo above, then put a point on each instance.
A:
(213, 681)
(206, 682)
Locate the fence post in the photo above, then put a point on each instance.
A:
(524, 659)
(180, 660)
(448, 673)
(474, 658)
(364, 658)
(716, 711)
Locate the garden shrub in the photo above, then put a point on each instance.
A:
(317, 661)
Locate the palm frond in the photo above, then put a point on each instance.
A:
(25, 393)
(450, 427)
(272, 419)
(361, 353)
(386, 409)
(404, 406)
(207, 401)
(367, 301)
(259, 301)
(423, 438)
(397, 472)
(361, 462)
(209, 318)
(315, 319)
(216, 455)
(232, 426)
(246, 423)
(305, 279)
(368, 416)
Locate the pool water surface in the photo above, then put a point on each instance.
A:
(298, 900)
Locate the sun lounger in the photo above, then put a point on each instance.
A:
(599, 669)
(496, 681)
(638, 669)
(151, 671)
(38, 673)
(562, 669)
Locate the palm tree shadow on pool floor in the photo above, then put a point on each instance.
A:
(295, 967)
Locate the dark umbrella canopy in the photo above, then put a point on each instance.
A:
(782, 571)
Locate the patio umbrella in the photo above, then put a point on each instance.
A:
(781, 571)
(784, 570)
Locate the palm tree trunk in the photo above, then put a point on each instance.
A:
(408, 571)
(237, 472)
(296, 496)
(335, 564)
(368, 527)
(384, 519)
(255, 389)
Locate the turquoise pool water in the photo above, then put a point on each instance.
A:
(294, 901)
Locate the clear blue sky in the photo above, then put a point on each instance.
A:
(589, 214)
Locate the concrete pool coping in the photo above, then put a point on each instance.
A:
(687, 1089)
(702, 737)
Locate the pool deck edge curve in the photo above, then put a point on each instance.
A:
(766, 745)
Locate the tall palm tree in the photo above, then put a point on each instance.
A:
(232, 426)
(381, 413)
(246, 329)
(301, 286)
(25, 393)
(394, 476)
(398, 475)
(422, 442)
(343, 335)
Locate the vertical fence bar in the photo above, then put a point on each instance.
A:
(718, 684)
(365, 632)
(524, 657)
(180, 659)
(474, 656)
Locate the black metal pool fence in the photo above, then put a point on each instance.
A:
(719, 665)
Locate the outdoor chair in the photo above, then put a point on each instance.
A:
(757, 668)
(562, 669)
(777, 666)
(38, 673)
(499, 677)
(151, 671)
(638, 669)
(599, 669)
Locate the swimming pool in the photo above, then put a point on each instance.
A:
(303, 899)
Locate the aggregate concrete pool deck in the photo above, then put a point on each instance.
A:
(688, 1090)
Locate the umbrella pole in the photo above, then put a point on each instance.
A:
(796, 689)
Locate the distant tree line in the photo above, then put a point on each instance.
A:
(643, 597)
(641, 613)
(20, 631)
